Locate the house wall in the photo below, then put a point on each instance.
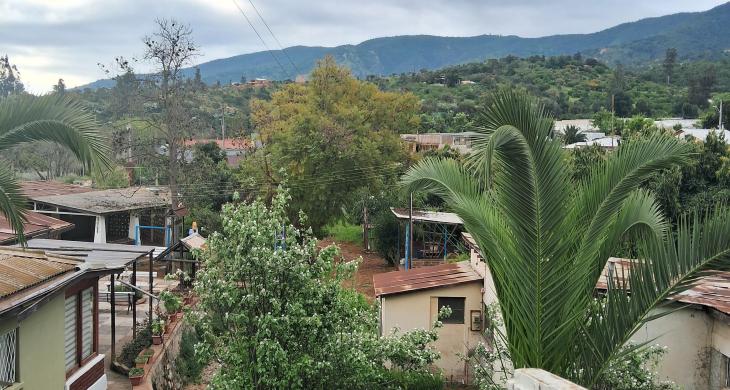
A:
(40, 354)
(419, 310)
(687, 333)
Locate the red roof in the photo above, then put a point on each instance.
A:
(397, 282)
(36, 225)
(33, 189)
(231, 143)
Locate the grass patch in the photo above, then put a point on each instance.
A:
(345, 232)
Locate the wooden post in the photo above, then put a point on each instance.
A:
(151, 293)
(365, 238)
(134, 299)
(410, 232)
(111, 289)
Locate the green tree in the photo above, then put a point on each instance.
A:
(330, 137)
(547, 241)
(58, 119)
(60, 87)
(275, 313)
(572, 135)
(9, 78)
(670, 62)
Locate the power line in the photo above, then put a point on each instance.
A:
(259, 35)
(274, 36)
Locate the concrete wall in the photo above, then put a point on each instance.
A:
(41, 347)
(687, 334)
(536, 379)
(419, 310)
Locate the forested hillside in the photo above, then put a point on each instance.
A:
(570, 87)
(696, 36)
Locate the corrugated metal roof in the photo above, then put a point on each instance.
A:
(20, 269)
(36, 224)
(428, 216)
(33, 189)
(424, 278)
(97, 256)
(711, 291)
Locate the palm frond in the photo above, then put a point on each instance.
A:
(12, 201)
(666, 267)
(28, 118)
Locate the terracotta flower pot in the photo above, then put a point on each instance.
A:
(156, 339)
(136, 380)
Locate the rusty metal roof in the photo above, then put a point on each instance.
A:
(428, 216)
(36, 224)
(397, 282)
(21, 269)
(711, 291)
(33, 189)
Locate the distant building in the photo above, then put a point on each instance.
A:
(36, 226)
(467, 82)
(462, 142)
(701, 134)
(606, 142)
(585, 125)
(412, 299)
(259, 82)
(234, 148)
(670, 123)
(120, 215)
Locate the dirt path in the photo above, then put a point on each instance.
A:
(371, 264)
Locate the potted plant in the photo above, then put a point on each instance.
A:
(135, 375)
(157, 327)
(171, 302)
(141, 360)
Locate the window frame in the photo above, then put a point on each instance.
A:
(450, 320)
(77, 290)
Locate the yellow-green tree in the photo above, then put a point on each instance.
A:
(330, 137)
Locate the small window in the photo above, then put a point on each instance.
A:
(727, 371)
(457, 309)
(70, 332)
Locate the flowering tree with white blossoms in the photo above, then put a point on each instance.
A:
(274, 312)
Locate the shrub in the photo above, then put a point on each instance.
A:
(345, 232)
(132, 349)
(386, 231)
(187, 365)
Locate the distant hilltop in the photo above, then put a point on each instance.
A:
(696, 35)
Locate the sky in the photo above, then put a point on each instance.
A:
(52, 39)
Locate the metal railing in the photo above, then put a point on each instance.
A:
(8, 358)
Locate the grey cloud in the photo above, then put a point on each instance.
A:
(72, 40)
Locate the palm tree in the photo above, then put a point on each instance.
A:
(28, 118)
(573, 134)
(547, 241)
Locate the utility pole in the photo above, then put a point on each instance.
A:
(365, 238)
(223, 126)
(721, 115)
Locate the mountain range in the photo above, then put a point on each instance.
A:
(695, 35)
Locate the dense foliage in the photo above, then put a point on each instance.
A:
(329, 138)
(547, 240)
(569, 87)
(275, 313)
